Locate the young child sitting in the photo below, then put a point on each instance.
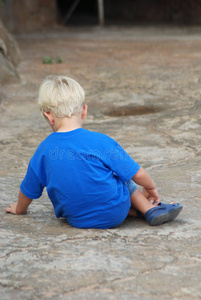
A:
(90, 179)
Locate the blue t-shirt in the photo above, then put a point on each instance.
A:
(84, 173)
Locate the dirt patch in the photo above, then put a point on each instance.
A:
(132, 110)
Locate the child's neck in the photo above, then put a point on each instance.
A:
(67, 124)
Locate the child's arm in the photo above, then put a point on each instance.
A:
(149, 187)
(20, 207)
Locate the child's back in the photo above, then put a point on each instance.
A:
(77, 167)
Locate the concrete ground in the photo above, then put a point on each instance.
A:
(143, 89)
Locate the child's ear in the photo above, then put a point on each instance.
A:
(84, 111)
(50, 117)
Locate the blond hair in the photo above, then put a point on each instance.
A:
(61, 95)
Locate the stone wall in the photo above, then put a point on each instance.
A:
(9, 56)
(28, 15)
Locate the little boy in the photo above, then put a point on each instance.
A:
(90, 180)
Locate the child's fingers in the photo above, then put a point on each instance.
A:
(11, 208)
(145, 192)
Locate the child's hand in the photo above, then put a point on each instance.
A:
(12, 209)
(152, 195)
(19, 207)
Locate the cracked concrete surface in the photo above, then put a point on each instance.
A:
(121, 69)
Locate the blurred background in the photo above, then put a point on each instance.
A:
(31, 15)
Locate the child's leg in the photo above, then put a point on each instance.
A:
(138, 200)
(139, 203)
(155, 214)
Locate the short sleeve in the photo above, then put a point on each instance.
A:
(120, 162)
(31, 185)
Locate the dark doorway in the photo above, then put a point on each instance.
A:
(84, 12)
(130, 12)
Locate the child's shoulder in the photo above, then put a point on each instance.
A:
(78, 136)
(99, 136)
(46, 142)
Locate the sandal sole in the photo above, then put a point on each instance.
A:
(168, 217)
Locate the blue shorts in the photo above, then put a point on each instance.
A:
(131, 185)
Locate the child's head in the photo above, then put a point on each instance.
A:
(61, 95)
